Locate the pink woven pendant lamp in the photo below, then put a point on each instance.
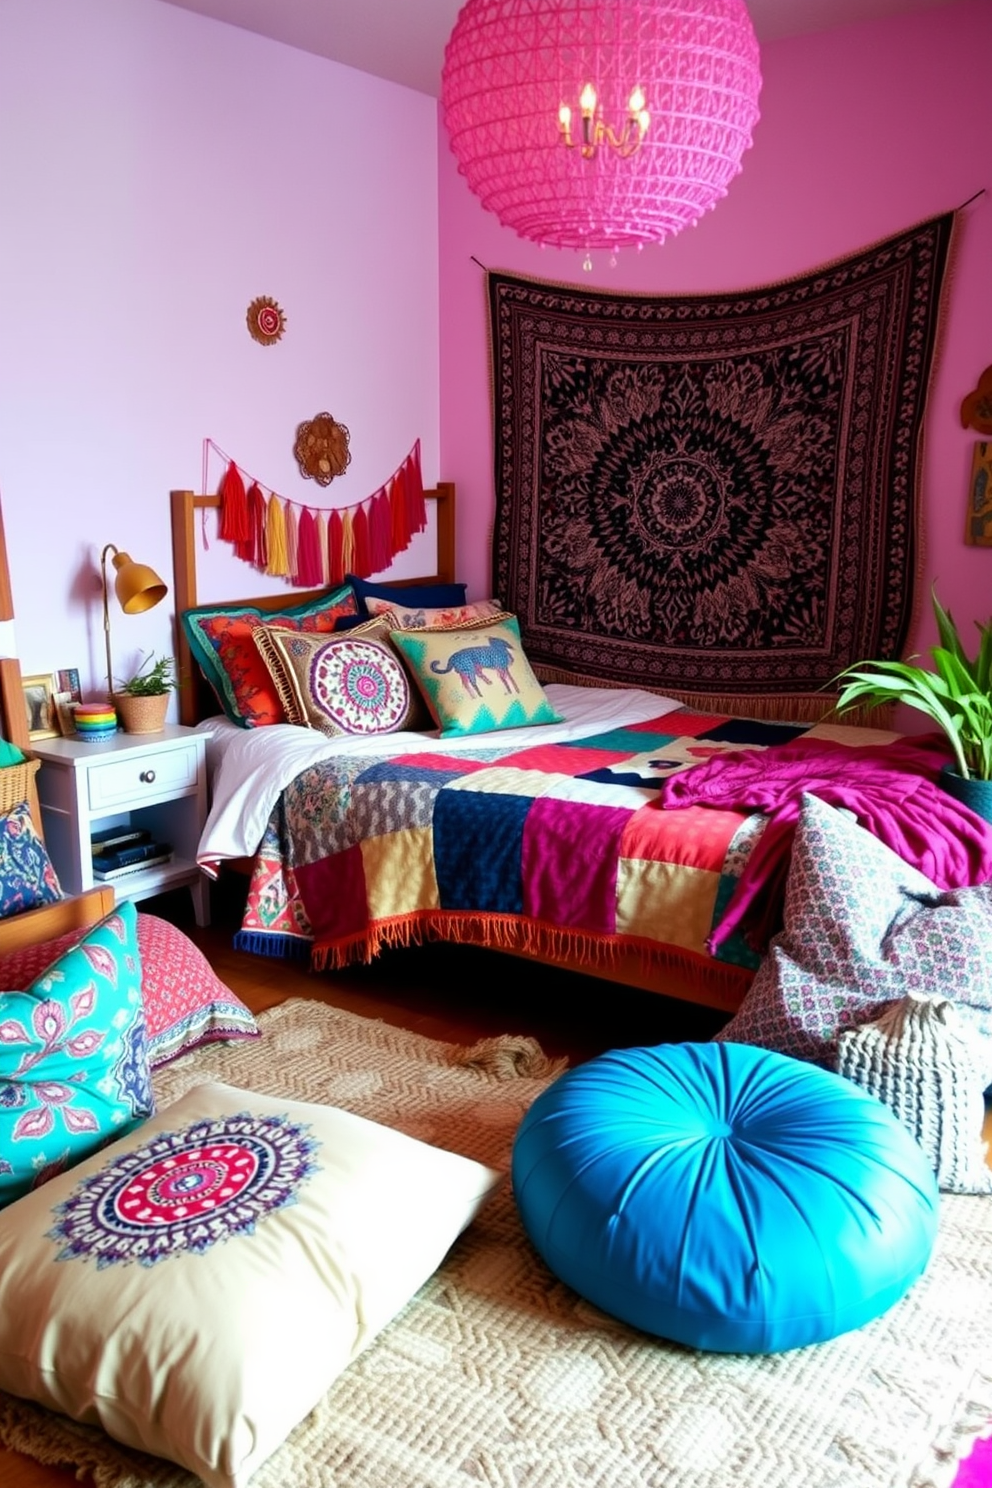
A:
(600, 123)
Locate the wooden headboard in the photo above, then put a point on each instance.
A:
(196, 700)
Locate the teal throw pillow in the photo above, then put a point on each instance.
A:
(74, 1068)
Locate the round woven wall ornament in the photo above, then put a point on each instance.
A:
(266, 322)
(322, 449)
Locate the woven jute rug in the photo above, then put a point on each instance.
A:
(497, 1374)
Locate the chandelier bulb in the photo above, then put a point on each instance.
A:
(587, 262)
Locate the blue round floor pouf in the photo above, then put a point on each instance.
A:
(724, 1196)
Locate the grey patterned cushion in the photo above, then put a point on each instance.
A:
(862, 929)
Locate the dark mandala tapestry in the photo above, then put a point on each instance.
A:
(716, 495)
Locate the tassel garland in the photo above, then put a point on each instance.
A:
(312, 547)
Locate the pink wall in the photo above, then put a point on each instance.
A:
(157, 172)
(864, 131)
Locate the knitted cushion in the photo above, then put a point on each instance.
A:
(861, 930)
(921, 1059)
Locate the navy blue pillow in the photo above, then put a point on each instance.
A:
(411, 596)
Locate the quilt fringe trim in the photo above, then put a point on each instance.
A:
(261, 943)
(583, 949)
(788, 707)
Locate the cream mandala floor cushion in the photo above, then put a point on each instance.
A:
(195, 1288)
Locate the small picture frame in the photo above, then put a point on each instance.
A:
(39, 706)
(67, 681)
(65, 707)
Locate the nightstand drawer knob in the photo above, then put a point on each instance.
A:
(147, 777)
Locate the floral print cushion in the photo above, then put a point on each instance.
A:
(27, 877)
(74, 1070)
(185, 1002)
(862, 929)
(222, 639)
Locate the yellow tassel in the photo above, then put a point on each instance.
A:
(277, 561)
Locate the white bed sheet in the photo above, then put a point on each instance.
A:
(254, 766)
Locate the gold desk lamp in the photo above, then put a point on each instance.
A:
(137, 587)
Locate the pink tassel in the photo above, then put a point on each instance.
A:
(308, 557)
(292, 543)
(320, 538)
(335, 550)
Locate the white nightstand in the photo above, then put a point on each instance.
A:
(157, 781)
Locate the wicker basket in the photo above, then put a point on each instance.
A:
(17, 784)
(141, 715)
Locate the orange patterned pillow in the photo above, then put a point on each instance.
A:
(222, 639)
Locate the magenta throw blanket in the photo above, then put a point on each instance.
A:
(891, 789)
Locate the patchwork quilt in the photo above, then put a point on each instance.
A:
(558, 849)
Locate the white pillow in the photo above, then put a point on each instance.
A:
(196, 1287)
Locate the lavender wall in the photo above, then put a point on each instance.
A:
(864, 131)
(157, 172)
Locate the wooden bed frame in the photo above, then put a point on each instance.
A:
(196, 700)
(721, 986)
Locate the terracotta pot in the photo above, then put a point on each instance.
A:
(974, 793)
(142, 715)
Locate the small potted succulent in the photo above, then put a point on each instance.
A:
(143, 700)
(955, 694)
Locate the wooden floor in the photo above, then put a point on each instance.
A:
(454, 993)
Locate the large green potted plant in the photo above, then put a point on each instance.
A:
(955, 694)
(143, 700)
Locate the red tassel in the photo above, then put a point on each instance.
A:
(360, 563)
(245, 546)
(308, 565)
(380, 532)
(398, 512)
(234, 526)
(415, 504)
(335, 550)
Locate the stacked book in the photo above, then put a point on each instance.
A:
(121, 850)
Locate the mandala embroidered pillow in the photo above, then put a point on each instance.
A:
(73, 1063)
(27, 877)
(221, 639)
(475, 679)
(862, 929)
(353, 683)
(202, 1282)
(185, 1002)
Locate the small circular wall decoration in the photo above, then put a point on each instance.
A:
(322, 449)
(266, 322)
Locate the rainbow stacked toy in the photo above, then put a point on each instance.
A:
(95, 721)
